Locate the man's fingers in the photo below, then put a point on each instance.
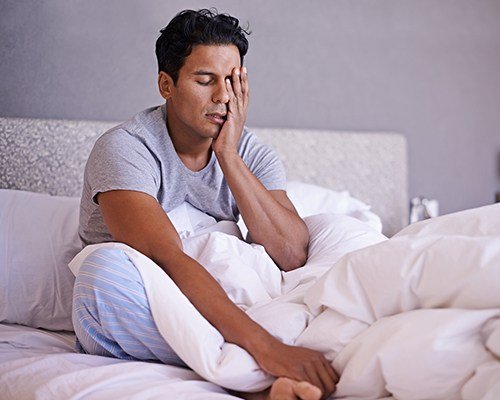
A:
(236, 77)
(321, 374)
(314, 378)
(232, 99)
(327, 380)
(330, 370)
(244, 85)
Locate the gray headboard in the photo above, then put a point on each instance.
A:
(48, 156)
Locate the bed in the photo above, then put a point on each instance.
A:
(371, 297)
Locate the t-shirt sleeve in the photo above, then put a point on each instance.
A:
(120, 161)
(263, 162)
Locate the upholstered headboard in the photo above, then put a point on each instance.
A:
(48, 156)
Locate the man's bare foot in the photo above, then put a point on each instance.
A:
(289, 389)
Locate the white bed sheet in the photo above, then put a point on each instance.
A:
(39, 364)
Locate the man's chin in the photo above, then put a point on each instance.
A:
(214, 133)
(209, 131)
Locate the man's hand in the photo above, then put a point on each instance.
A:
(300, 364)
(229, 136)
(271, 218)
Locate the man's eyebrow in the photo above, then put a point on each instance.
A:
(211, 74)
(201, 72)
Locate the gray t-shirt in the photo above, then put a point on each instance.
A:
(139, 155)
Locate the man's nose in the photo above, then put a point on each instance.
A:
(221, 95)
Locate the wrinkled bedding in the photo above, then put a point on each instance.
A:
(415, 316)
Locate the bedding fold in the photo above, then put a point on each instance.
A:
(415, 316)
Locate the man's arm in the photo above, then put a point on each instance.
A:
(138, 220)
(270, 217)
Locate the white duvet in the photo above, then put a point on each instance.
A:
(416, 316)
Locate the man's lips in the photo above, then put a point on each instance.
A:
(217, 118)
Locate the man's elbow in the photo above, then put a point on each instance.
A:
(293, 258)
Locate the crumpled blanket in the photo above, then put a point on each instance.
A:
(415, 316)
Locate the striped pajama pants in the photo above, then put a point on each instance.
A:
(111, 313)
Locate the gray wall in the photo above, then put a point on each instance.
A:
(429, 69)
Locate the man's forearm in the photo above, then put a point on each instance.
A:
(212, 302)
(279, 229)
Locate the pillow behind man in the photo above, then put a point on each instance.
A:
(311, 199)
(38, 237)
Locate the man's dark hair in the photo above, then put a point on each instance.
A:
(190, 28)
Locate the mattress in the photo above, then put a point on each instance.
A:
(40, 364)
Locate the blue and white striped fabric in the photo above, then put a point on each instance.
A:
(111, 313)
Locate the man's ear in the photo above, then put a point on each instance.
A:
(165, 85)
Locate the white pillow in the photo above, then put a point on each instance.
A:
(313, 200)
(38, 237)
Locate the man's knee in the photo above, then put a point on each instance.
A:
(109, 264)
(107, 288)
(108, 277)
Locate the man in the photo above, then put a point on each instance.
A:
(194, 148)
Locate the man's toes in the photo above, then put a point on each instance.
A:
(282, 389)
(306, 391)
(289, 389)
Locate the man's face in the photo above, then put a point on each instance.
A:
(197, 104)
